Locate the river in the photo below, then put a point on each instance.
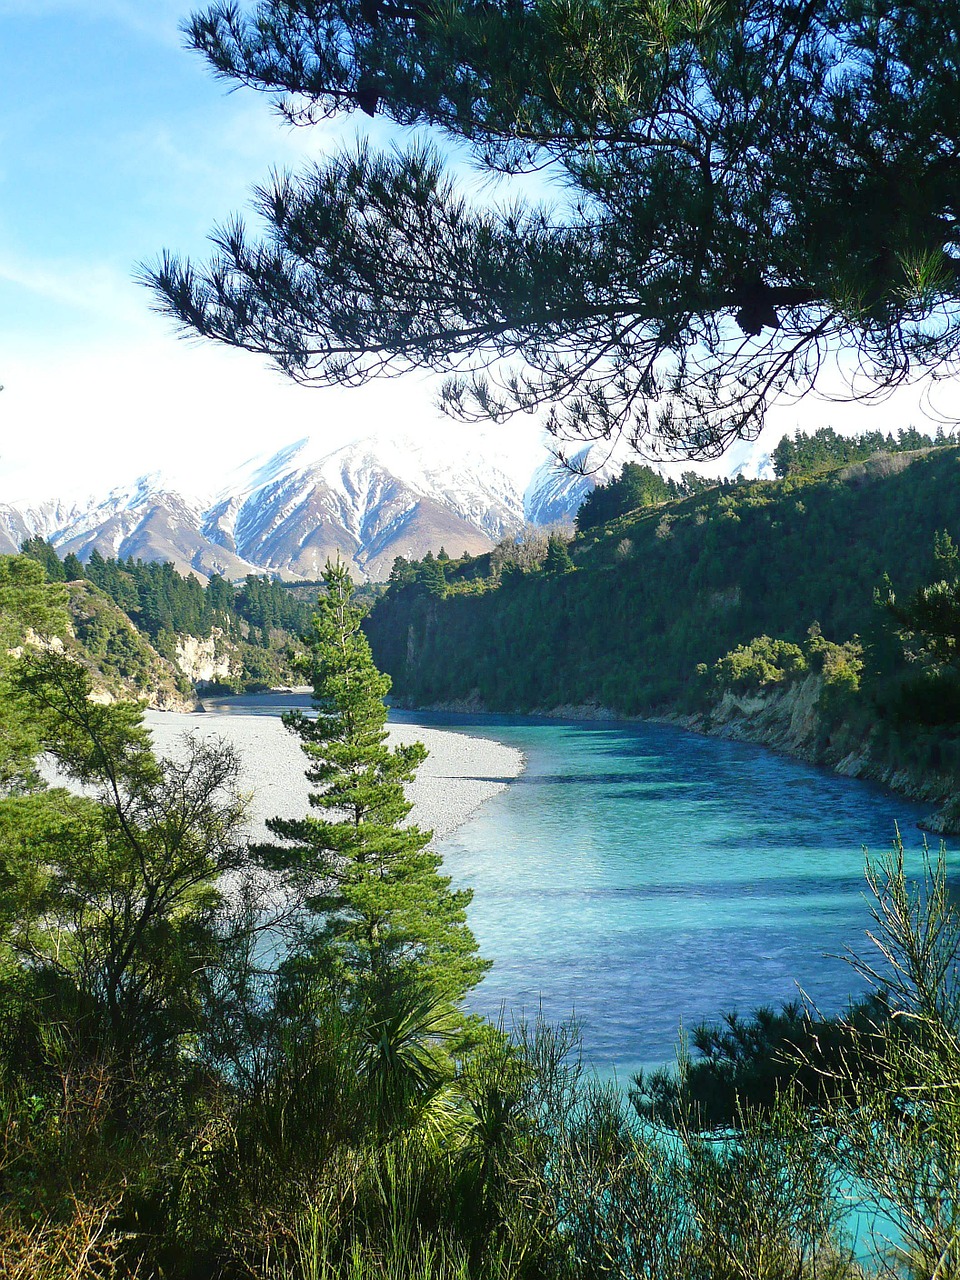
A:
(641, 876)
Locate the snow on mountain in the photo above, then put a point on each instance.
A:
(370, 499)
(556, 491)
(18, 523)
(146, 520)
(367, 500)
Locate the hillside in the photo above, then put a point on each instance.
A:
(121, 659)
(658, 591)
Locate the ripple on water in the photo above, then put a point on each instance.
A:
(642, 876)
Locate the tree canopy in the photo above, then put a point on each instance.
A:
(739, 192)
(381, 906)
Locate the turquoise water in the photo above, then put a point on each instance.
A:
(640, 876)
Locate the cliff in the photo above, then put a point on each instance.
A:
(794, 719)
(213, 659)
(122, 661)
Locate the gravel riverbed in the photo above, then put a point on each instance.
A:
(459, 774)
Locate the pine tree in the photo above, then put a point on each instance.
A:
(72, 568)
(744, 188)
(381, 907)
(558, 557)
(44, 553)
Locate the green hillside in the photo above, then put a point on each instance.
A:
(660, 590)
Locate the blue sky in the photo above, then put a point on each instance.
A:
(115, 142)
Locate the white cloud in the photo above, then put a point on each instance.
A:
(73, 423)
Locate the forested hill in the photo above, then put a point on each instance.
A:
(653, 593)
(235, 636)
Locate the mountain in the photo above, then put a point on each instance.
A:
(370, 500)
(148, 521)
(17, 523)
(662, 589)
(555, 492)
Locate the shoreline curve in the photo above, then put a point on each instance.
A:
(460, 773)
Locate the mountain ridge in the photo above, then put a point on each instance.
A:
(284, 514)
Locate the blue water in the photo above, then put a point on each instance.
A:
(641, 877)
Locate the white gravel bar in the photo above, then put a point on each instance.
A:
(460, 773)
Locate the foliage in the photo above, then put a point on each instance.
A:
(761, 662)
(897, 1126)
(636, 486)
(381, 905)
(122, 656)
(557, 559)
(117, 913)
(162, 601)
(742, 560)
(260, 618)
(927, 625)
(754, 1061)
(824, 448)
(737, 192)
(198, 1081)
(29, 606)
(40, 550)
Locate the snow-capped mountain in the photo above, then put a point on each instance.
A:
(285, 513)
(555, 492)
(19, 522)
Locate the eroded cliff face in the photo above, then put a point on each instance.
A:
(121, 661)
(202, 661)
(787, 718)
(791, 718)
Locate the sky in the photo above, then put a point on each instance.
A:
(117, 142)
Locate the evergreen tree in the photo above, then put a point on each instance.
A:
(431, 576)
(746, 187)
(382, 909)
(558, 557)
(44, 553)
(636, 486)
(72, 568)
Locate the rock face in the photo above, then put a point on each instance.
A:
(369, 501)
(122, 662)
(788, 718)
(203, 661)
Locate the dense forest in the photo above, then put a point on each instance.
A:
(160, 600)
(821, 450)
(657, 591)
(831, 572)
(256, 623)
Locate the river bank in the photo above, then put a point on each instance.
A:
(459, 775)
(786, 720)
(789, 720)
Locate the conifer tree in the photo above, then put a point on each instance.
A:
(381, 907)
(72, 567)
(743, 190)
(558, 557)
